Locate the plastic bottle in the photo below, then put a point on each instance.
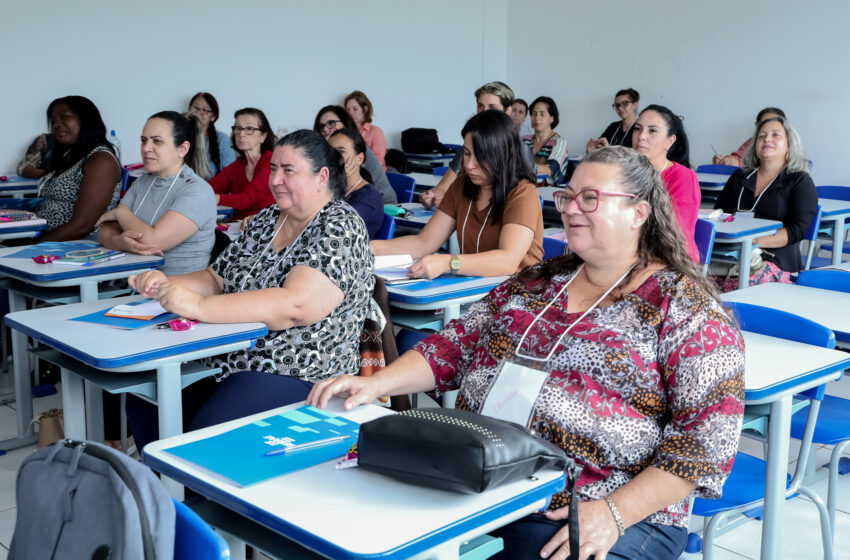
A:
(113, 139)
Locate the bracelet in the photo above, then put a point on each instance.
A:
(616, 513)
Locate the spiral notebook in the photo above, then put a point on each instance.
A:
(393, 269)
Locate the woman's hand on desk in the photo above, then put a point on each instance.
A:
(430, 266)
(597, 532)
(133, 242)
(355, 390)
(180, 300)
(147, 283)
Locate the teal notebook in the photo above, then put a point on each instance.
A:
(240, 454)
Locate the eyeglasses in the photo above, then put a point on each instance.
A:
(329, 124)
(199, 110)
(621, 104)
(587, 200)
(248, 130)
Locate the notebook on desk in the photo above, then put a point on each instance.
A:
(240, 455)
(19, 218)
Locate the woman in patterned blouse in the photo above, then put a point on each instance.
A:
(302, 267)
(642, 370)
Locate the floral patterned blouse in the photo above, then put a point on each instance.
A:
(654, 379)
(336, 244)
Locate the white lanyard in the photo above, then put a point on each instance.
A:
(620, 128)
(738, 207)
(574, 323)
(483, 225)
(280, 258)
(161, 202)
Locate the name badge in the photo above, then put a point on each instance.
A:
(514, 392)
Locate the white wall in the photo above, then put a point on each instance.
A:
(289, 58)
(717, 63)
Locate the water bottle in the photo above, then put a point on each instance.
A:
(113, 139)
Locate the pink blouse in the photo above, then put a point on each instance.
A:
(376, 140)
(683, 186)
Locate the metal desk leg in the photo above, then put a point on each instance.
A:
(88, 291)
(744, 263)
(779, 434)
(837, 241)
(450, 312)
(23, 383)
(94, 412)
(170, 411)
(73, 405)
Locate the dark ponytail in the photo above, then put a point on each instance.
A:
(184, 129)
(319, 154)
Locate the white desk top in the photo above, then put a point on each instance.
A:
(743, 227)
(344, 513)
(27, 270)
(112, 348)
(842, 266)
(425, 180)
(826, 307)
(14, 182)
(712, 179)
(834, 208)
(775, 366)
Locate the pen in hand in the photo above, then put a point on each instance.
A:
(303, 446)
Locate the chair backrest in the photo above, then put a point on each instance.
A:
(717, 168)
(194, 539)
(125, 182)
(455, 147)
(441, 170)
(387, 229)
(553, 248)
(220, 243)
(834, 192)
(781, 324)
(704, 233)
(812, 236)
(835, 280)
(406, 338)
(403, 185)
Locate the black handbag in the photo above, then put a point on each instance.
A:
(453, 449)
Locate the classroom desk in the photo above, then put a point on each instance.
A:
(425, 181)
(18, 187)
(124, 351)
(54, 276)
(741, 232)
(419, 216)
(446, 292)
(547, 194)
(223, 212)
(826, 307)
(431, 159)
(712, 181)
(835, 212)
(22, 230)
(352, 513)
(776, 369)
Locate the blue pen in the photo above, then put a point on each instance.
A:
(303, 446)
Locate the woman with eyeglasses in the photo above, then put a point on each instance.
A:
(619, 133)
(244, 184)
(660, 136)
(170, 210)
(333, 117)
(219, 152)
(620, 353)
(774, 184)
(492, 205)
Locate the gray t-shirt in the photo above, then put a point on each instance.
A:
(379, 177)
(191, 197)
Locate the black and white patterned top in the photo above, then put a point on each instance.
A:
(336, 244)
(61, 192)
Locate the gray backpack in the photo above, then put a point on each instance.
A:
(82, 500)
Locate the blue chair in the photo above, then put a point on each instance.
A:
(387, 228)
(704, 233)
(717, 168)
(194, 539)
(553, 248)
(403, 185)
(834, 192)
(125, 182)
(812, 238)
(440, 170)
(833, 426)
(744, 489)
(455, 147)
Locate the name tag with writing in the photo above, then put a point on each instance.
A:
(514, 392)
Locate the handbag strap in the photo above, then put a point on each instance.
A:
(573, 472)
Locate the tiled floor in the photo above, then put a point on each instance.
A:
(800, 535)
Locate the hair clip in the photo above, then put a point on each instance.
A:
(45, 259)
(222, 227)
(3, 178)
(179, 324)
(729, 218)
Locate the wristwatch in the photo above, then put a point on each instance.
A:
(455, 263)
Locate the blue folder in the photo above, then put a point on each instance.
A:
(100, 318)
